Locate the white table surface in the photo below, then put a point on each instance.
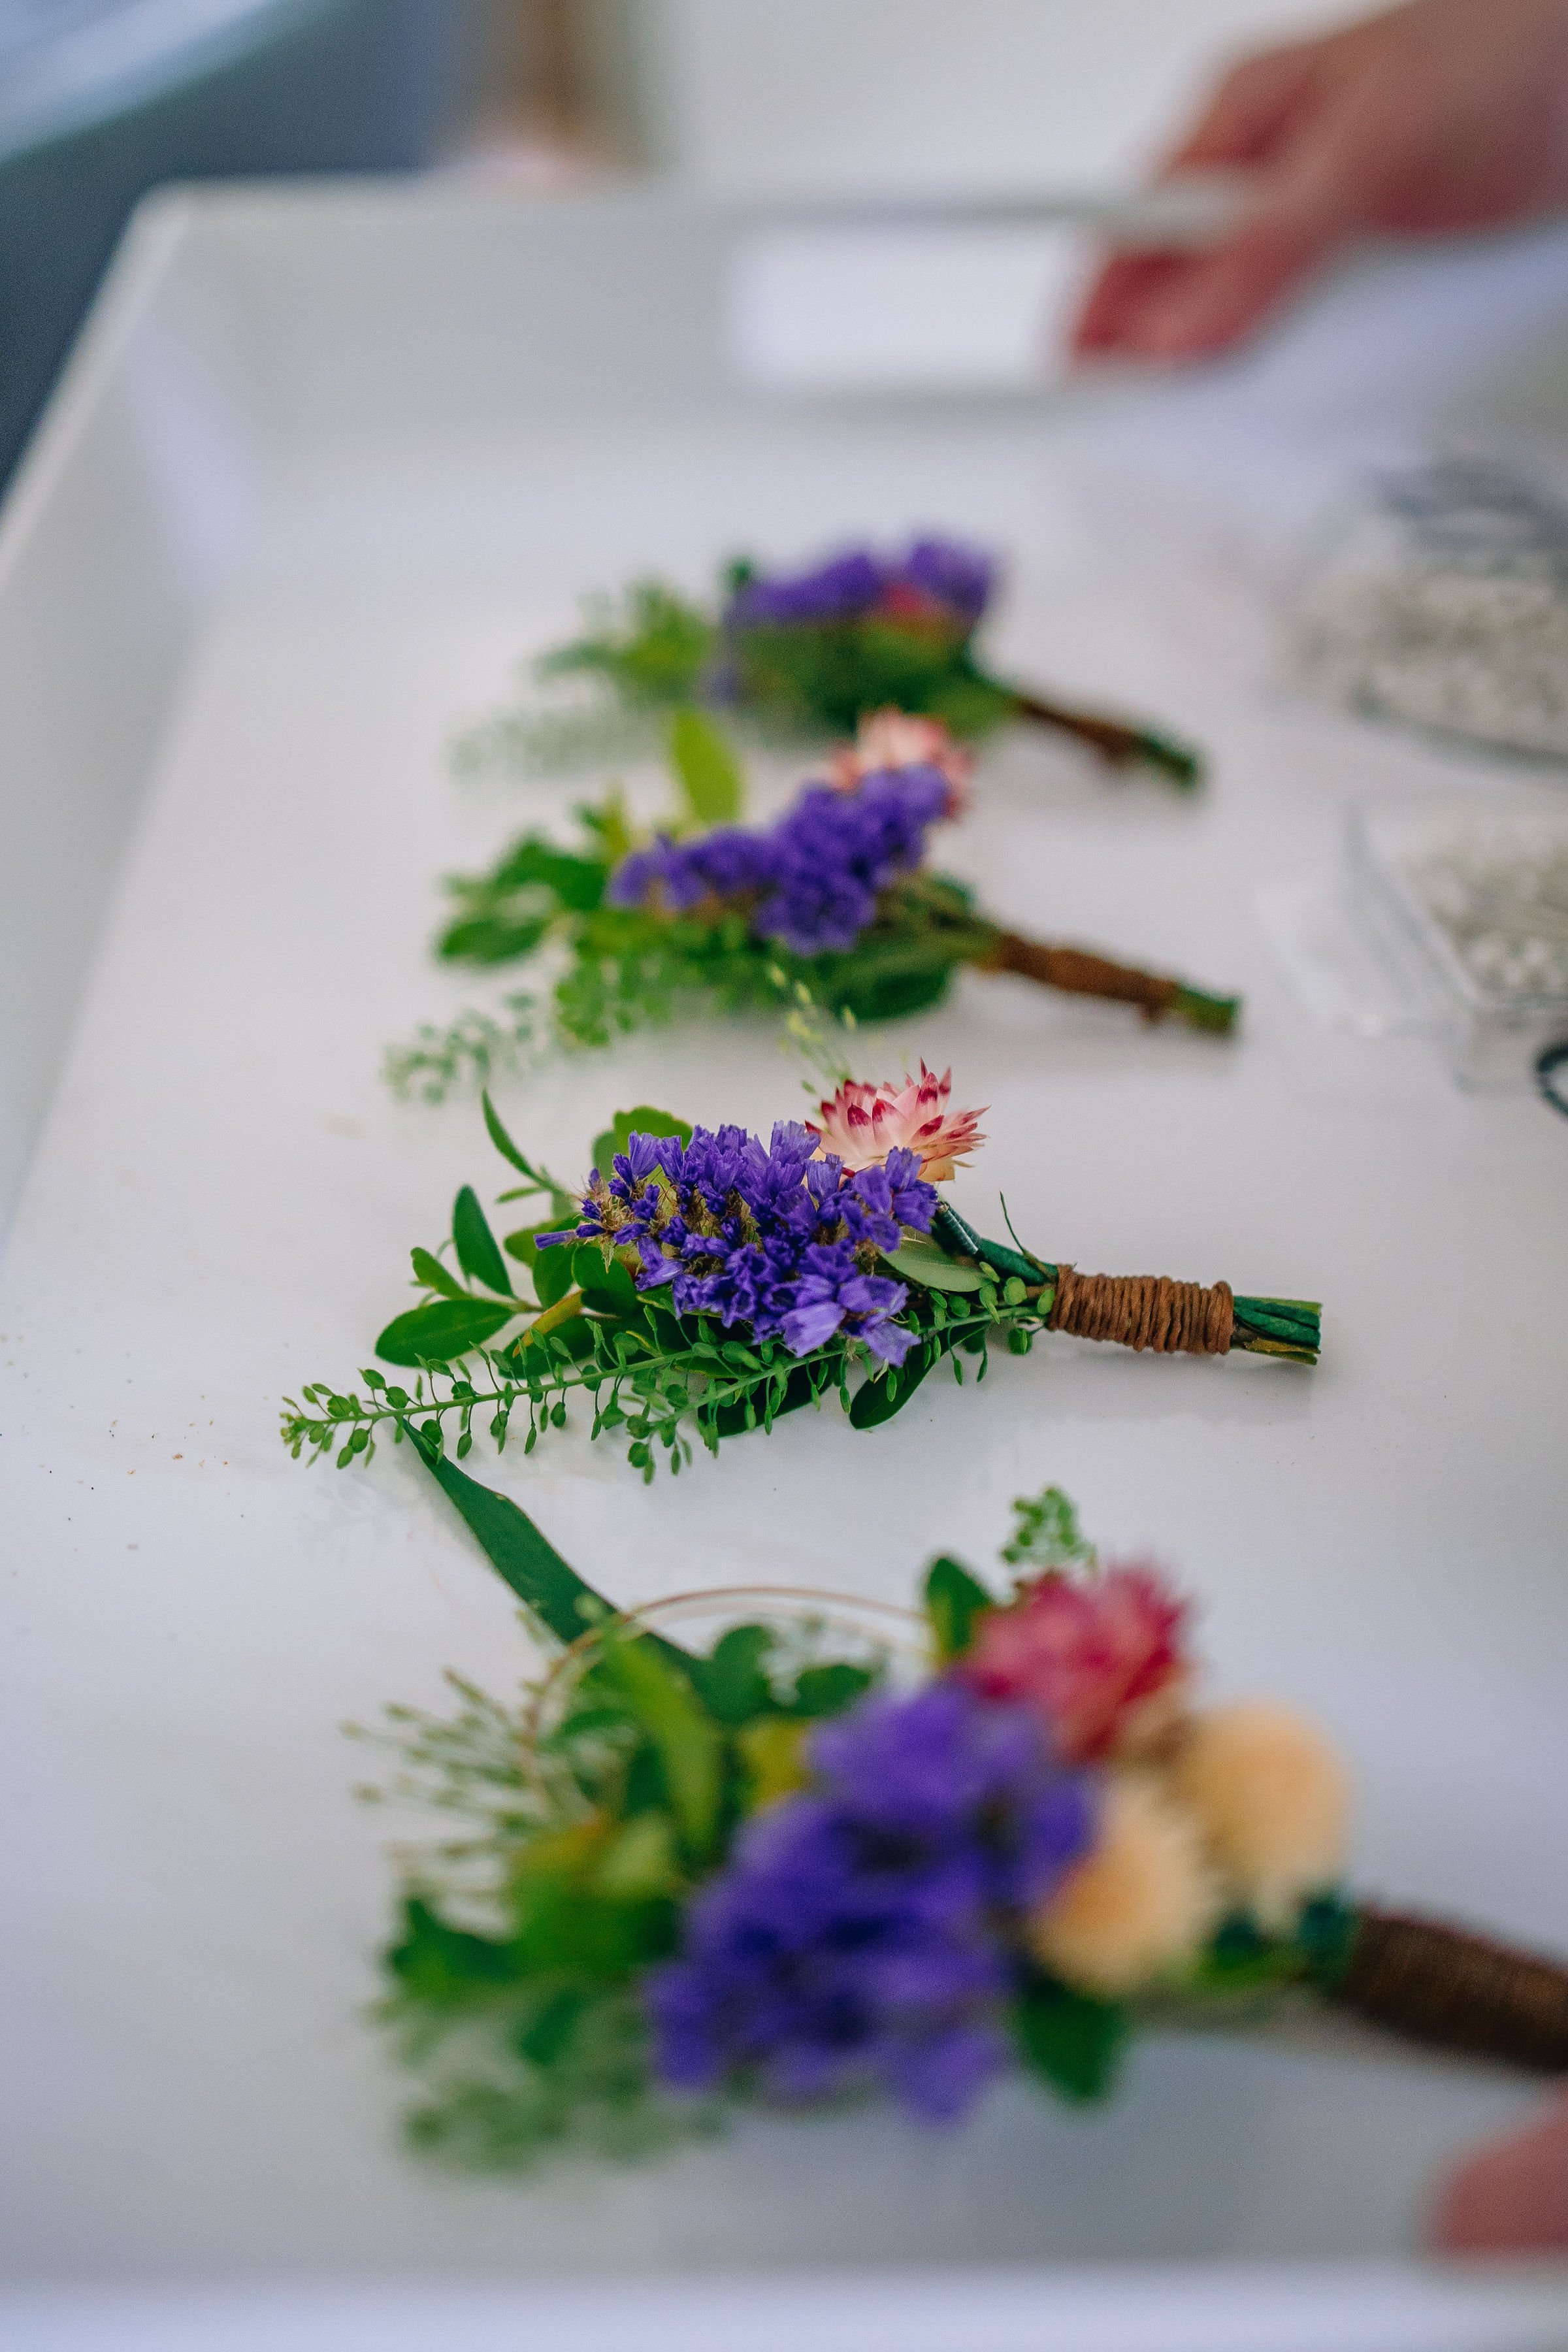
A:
(221, 1208)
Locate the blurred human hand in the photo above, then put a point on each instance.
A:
(1511, 2196)
(1437, 117)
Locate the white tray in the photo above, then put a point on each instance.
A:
(327, 463)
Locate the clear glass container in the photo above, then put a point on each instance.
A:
(1439, 596)
(811, 1628)
(1469, 908)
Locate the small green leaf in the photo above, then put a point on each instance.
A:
(706, 769)
(876, 1401)
(1074, 2042)
(829, 1690)
(953, 1599)
(639, 1859)
(444, 1329)
(508, 1148)
(607, 1289)
(553, 1273)
(800, 1391)
(689, 1741)
(577, 882)
(490, 938)
(476, 1244)
(434, 1276)
(444, 1966)
(733, 1682)
(918, 1260)
(544, 2038)
(644, 1120)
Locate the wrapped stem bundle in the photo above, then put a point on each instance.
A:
(815, 651)
(844, 1849)
(834, 903)
(709, 1283)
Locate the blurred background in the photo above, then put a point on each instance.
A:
(103, 99)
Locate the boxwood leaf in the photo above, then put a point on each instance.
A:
(689, 1743)
(644, 1120)
(706, 769)
(430, 1271)
(918, 1260)
(607, 1289)
(1074, 2042)
(438, 1333)
(733, 1682)
(953, 1599)
(490, 938)
(577, 883)
(829, 1690)
(506, 1147)
(444, 1966)
(476, 1244)
(877, 1400)
(553, 1273)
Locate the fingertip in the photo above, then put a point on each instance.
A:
(1230, 291)
(1108, 315)
(1510, 2197)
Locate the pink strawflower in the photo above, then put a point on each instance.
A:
(1090, 1657)
(893, 740)
(863, 1123)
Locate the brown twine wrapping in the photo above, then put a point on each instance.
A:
(1456, 1991)
(1144, 1310)
(1081, 974)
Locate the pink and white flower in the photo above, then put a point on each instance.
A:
(890, 739)
(1102, 1661)
(863, 1123)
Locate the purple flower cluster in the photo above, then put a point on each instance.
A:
(944, 573)
(814, 875)
(764, 1235)
(853, 1935)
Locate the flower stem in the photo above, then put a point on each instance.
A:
(1118, 744)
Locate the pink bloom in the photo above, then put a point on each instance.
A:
(1088, 1656)
(863, 1123)
(893, 740)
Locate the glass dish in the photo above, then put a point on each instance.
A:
(1469, 906)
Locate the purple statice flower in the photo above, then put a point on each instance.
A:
(952, 574)
(727, 864)
(815, 876)
(765, 1235)
(834, 852)
(839, 589)
(860, 1931)
(858, 582)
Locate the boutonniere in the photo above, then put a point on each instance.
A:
(704, 1283)
(836, 906)
(772, 1847)
(814, 652)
